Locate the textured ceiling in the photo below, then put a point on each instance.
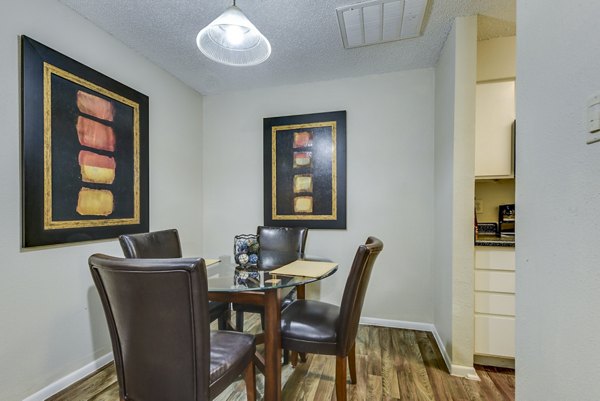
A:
(304, 35)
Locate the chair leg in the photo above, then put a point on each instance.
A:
(340, 378)
(352, 363)
(262, 320)
(294, 358)
(239, 321)
(223, 321)
(250, 379)
(286, 356)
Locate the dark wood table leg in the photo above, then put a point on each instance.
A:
(300, 294)
(272, 345)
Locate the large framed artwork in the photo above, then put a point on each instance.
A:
(84, 151)
(305, 170)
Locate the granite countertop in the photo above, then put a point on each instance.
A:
(494, 240)
(487, 236)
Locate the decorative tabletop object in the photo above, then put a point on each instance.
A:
(245, 249)
(246, 276)
(243, 259)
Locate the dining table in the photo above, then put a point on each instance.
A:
(229, 282)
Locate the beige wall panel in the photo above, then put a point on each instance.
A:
(494, 281)
(495, 335)
(496, 304)
(497, 258)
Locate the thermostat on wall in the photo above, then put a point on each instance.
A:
(593, 118)
(593, 113)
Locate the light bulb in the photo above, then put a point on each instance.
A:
(232, 39)
(234, 34)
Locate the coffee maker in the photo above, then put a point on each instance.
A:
(506, 220)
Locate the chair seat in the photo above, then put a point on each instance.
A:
(230, 354)
(310, 326)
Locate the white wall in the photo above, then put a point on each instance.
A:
(558, 194)
(445, 72)
(496, 59)
(390, 179)
(463, 254)
(454, 191)
(50, 316)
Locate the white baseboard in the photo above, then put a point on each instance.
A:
(397, 324)
(443, 350)
(455, 370)
(71, 378)
(497, 361)
(401, 324)
(465, 371)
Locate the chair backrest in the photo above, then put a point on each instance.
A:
(280, 245)
(354, 293)
(157, 314)
(284, 239)
(157, 244)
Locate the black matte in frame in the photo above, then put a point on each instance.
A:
(268, 123)
(33, 57)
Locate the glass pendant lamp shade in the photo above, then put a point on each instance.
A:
(233, 40)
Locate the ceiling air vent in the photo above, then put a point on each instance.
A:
(380, 21)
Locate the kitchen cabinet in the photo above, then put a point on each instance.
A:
(494, 130)
(495, 301)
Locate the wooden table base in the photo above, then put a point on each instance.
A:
(270, 364)
(273, 345)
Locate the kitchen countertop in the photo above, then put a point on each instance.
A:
(494, 240)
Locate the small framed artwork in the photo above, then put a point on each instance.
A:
(84, 151)
(305, 170)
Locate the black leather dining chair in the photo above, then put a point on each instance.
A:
(166, 244)
(321, 328)
(278, 246)
(157, 315)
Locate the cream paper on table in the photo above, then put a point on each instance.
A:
(209, 262)
(305, 268)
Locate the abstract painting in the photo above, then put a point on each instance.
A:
(84, 151)
(305, 170)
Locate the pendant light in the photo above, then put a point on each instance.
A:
(233, 40)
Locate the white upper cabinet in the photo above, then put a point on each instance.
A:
(494, 139)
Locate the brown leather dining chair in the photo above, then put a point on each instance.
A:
(157, 315)
(321, 328)
(278, 246)
(166, 244)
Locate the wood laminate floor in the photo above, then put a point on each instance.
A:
(391, 364)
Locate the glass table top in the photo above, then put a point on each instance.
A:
(226, 276)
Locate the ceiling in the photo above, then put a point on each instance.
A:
(304, 36)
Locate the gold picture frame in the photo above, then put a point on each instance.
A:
(84, 151)
(305, 170)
